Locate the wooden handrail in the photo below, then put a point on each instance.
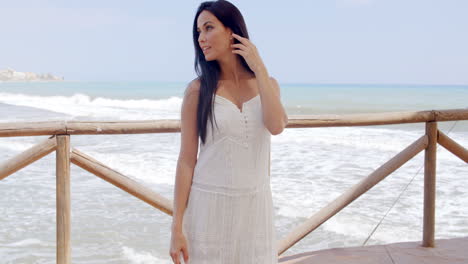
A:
(19, 129)
(372, 119)
(169, 125)
(60, 141)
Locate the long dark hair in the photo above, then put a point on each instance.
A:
(208, 71)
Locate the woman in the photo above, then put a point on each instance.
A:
(223, 209)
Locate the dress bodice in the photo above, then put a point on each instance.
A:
(236, 151)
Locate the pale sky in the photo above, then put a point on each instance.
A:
(309, 41)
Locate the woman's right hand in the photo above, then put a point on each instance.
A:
(178, 244)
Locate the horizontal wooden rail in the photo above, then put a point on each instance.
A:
(88, 127)
(169, 125)
(351, 194)
(372, 119)
(125, 183)
(452, 146)
(27, 157)
(45, 128)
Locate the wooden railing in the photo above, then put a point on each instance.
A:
(60, 142)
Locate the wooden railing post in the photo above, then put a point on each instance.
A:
(430, 185)
(63, 199)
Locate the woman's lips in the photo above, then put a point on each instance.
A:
(205, 50)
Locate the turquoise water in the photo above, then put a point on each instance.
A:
(298, 98)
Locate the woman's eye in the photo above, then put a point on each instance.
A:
(207, 27)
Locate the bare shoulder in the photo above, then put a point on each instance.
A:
(193, 88)
(191, 96)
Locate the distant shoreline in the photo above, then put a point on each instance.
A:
(10, 75)
(29, 81)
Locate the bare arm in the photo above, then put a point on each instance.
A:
(274, 114)
(188, 153)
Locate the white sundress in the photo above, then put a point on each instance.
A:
(229, 218)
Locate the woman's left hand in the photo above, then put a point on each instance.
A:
(248, 50)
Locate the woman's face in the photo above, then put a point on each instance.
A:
(214, 37)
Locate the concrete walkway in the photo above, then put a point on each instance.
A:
(454, 251)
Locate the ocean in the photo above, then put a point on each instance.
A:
(310, 168)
